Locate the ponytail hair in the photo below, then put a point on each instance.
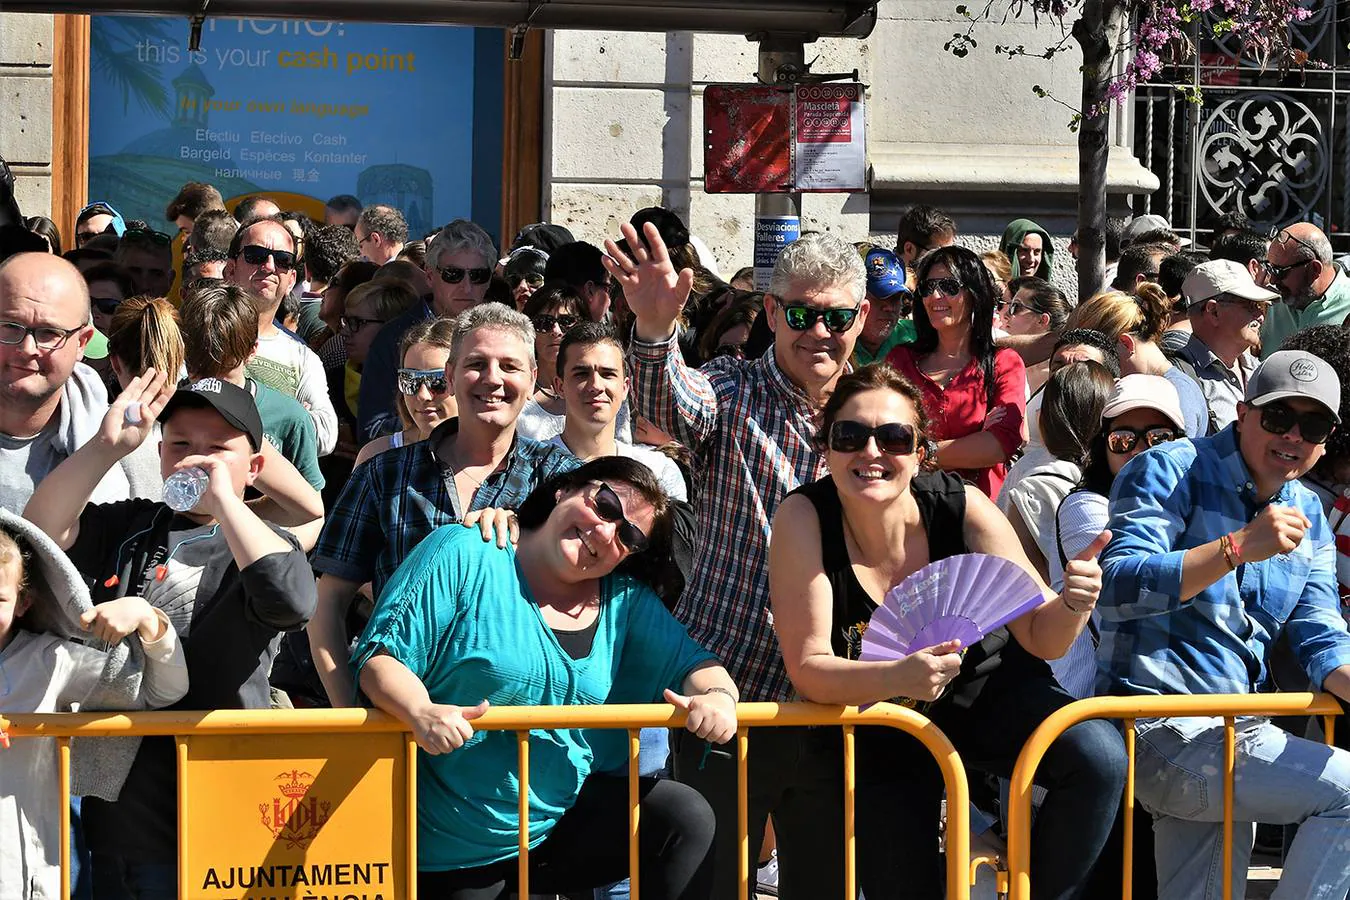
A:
(145, 335)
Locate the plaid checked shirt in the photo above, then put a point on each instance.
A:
(397, 498)
(1180, 495)
(750, 430)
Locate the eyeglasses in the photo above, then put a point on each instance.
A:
(1255, 308)
(948, 287)
(105, 305)
(354, 324)
(897, 438)
(454, 275)
(1282, 236)
(535, 282)
(800, 317)
(46, 338)
(610, 508)
(736, 351)
(1124, 440)
(545, 322)
(255, 255)
(410, 381)
(1314, 427)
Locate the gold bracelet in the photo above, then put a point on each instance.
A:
(1226, 545)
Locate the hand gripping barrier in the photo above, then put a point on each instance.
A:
(330, 725)
(1229, 706)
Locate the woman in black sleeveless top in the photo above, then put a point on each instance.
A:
(838, 545)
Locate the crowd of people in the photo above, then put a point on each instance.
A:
(261, 461)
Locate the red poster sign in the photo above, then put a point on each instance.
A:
(747, 147)
(824, 113)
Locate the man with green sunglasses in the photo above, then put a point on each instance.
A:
(751, 421)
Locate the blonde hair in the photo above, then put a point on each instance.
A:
(145, 335)
(1144, 314)
(996, 261)
(12, 551)
(388, 299)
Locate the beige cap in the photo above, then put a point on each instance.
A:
(1222, 276)
(1145, 392)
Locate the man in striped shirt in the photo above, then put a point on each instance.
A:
(1217, 550)
(750, 425)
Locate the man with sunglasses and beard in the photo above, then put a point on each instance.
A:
(1218, 549)
(460, 260)
(262, 260)
(1299, 265)
(751, 423)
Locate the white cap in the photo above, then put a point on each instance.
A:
(1142, 225)
(1145, 392)
(1222, 276)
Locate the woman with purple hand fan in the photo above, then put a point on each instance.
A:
(838, 547)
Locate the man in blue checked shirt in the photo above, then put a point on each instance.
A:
(1218, 548)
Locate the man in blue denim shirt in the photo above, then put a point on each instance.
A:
(1218, 548)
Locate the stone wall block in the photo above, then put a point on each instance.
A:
(26, 135)
(616, 57)
(594, 212)
(25, 39)
(611, 133)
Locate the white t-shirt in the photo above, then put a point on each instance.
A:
(662, 466)
(286, 365)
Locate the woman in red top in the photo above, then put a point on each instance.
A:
(975, 395)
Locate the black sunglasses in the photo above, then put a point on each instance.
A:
(610, 508)
(800, 317)
(545, 322)
(410, 381)
(455, 274)
(1314, 427)
(847, 436)
(948, 287)
(534, 281)
(1275, 273)
(255, 255)
(354, 324)
(105, 305)
(1124, 440)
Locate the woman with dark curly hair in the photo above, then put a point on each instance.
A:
(567, 617)
(974, 394)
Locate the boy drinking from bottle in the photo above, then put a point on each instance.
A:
(229, 582)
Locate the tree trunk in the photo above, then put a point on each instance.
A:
(1094, 31)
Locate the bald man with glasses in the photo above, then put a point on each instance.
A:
(1314, 291)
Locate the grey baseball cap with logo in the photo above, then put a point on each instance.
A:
(1295, 373)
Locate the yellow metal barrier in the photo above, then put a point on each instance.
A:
(1228, 706)
(185, 727)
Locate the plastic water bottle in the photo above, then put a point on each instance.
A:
(184, 489)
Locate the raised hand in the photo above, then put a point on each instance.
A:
(131, 417)
(924, 675)
(1275, 530)
(1083, 577)
(712, 716)
(440, 728)
(653, 290)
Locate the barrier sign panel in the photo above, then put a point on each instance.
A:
(293, 817)
(829, 139)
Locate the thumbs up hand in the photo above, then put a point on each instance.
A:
(1083, 577)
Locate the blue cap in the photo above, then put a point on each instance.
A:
(118, 226)
(885, 273)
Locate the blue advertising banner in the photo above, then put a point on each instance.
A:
(390, 113)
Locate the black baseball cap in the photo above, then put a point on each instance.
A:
(671, 228)
(234, 404)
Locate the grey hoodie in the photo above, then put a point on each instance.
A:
(26, 461)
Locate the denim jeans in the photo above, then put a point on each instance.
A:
(1279, 779)
(653, 754)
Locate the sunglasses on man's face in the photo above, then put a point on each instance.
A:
(410, 381)
(455, 274)
(254, 255)
(800, 317)
(545, 322)
(1313, 427)
(895, 438)
(1124, 440)
(947, 287)
(609, 507)
(1277, 273)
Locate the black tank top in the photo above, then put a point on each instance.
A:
(941, 498)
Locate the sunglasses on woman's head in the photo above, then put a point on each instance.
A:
(1313, 427)
(800, 317)
(455, 274)
(256, 255)
(1124, 440)
(896, 438)
(947, 287)
(410, 381)
(545, 322)
(610, 508)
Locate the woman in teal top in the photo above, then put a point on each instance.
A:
(567, 617)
